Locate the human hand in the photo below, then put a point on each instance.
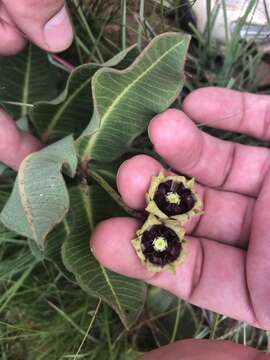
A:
(227, 268)
(15, 144)
(44, 22)
(47, 24)
(204, 350)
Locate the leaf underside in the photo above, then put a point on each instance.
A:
(71, 111)
(125, 296)
(39, 199)
(26, 78)
(126, 100)
(121, 102)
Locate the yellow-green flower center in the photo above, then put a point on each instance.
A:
(160, 243)
(173, 198)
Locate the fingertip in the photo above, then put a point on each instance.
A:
(207, 104)
(203, 349)
(133, 179)
(11, 40)
(196, 98)
(111, 244)
(58, 31)
(47, 24)
(193, 98)
(175, 137)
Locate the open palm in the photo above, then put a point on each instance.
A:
(227, 269)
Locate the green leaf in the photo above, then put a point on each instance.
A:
(26, 78)
(108, 171)
(52, 253)
(166, 319)
(112, 193)
(71, 111)
(125, 296)
(39, 199)
(163, 306)
(126, 100)
(55, 242)
(3, 199)
(2, 168)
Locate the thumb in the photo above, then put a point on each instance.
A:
(205, 350)
(45, 22)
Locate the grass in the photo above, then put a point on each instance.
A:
(44, 315)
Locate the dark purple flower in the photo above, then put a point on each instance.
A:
(173, 198)
(160, 245)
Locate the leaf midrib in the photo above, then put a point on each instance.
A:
(104, 271)
(62, 109)
(120, 96)
(23, 197)
(88, 208)
(25, 93)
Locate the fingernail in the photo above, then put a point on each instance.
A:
(58, 32)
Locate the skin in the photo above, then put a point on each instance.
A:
(47, 24)
(227, 268)
(204, 350)
(228, 249)
(44, 22)
(15, 145)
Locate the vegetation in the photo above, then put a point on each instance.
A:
(46, 311)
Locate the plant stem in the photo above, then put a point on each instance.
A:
(177, 322)
(123, 23)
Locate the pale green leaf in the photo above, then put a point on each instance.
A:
(125, 296)
(26, 78)
(39, 199)
(71, 111)
(126, 100)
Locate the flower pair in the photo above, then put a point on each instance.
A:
(160, 242)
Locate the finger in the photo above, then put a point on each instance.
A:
(204, 350)
(214, 162)
(11, 39)
(232, 213)
(45, 22)
(210, 277)
(15, 145)
(258, 265)
(230, 110)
